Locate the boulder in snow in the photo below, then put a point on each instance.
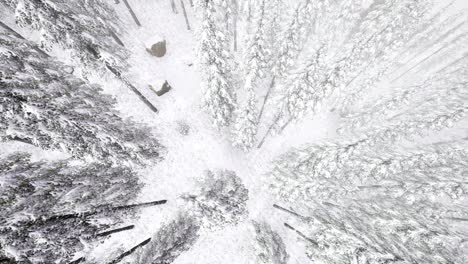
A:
(165, 87)
(156, 46)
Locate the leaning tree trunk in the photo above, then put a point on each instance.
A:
(116, 38)
(234, 23)
(174, 7)
(185, 14)
(266, 97)
(132, 13)
(118, 74)
(130, 251)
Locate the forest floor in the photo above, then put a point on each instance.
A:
(188, 156)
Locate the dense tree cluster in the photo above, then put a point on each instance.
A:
(83, 27)
(42, 200)
(47, 107)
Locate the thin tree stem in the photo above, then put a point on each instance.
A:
(185, 14)
(135, 18)
(174, 7)
(266, 97)
(129, 252)
(113, 231)
(16, 34)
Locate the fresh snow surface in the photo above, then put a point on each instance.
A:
(189, 156)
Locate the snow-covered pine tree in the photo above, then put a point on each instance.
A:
(268, 244)
(415, 102)
(36, 196)
(333, 171)
(82, 27)
(381, 229)
(258, 50)
(170, 241)
(40, 104)
(219, 97)
(220, 199)
(289, 44)
(245, 127)
(370, 207)
(344, 61)
(431, 30)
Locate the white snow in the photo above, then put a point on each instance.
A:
(188, 156)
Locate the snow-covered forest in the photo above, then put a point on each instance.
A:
(233, 131)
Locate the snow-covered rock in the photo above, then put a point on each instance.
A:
(156, 46)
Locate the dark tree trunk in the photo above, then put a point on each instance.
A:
(302, 234)
(266, 97)
(113, 231)
(116, 38)
(185, 14)
(99, 210)
(118, 74)
(129, 252)
(174, 7)
(132, 13)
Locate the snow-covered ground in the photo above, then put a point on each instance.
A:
(188, 156)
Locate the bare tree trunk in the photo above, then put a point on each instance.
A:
(302, 234)
(234, 23)
(185, 14)
(289, 211)
(249, 11)
(174, 7)
(191, 3)
(428, 57)
(271, 127)
(116, 38)
(101, 209)
(132, 13)
(268, 132)
(117, 230)
(118, 74)
(77, 261)
(16, 34)
(129, 252)
(266, 97)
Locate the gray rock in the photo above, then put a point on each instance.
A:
(158, 49)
